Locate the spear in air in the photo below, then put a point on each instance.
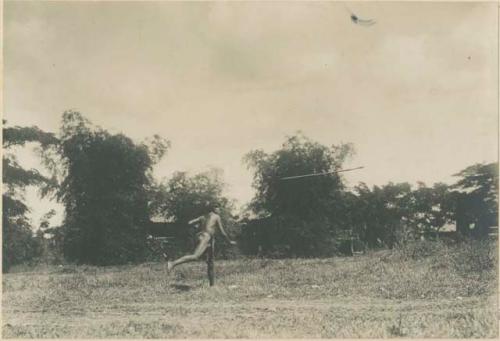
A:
(319, 174)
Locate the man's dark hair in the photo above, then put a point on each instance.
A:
(209, 207)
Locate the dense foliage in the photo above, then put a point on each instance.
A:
(105, 193)
(303, 217)
(302, 210)
(18, 243)
(477, 199)
(106, 185)
(184, 197)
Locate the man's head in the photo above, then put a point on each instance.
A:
(212, 207)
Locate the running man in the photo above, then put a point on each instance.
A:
(208, 225)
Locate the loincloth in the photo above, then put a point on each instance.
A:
(204, 233)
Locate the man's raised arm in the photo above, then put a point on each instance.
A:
(219, 222)
(195, 220)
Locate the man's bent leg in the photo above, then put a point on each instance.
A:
(202, 246)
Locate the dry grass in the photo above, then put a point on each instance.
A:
(404, 293)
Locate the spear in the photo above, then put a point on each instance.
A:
(318, 174)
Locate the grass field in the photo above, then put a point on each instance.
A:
(382, 294)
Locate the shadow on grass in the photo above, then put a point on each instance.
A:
(181, 287)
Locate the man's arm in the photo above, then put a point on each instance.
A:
(219, 222)
(195, 220)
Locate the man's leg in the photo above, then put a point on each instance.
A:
(202, 246)
(210, 262)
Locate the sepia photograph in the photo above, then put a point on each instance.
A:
(250, 169)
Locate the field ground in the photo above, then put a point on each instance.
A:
(378, 295)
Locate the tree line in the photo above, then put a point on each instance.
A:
(109, 194)
(307, 216)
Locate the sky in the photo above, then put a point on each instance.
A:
(416, 93)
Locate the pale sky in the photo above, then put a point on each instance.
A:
(416, 93)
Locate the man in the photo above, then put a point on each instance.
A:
(208, 225)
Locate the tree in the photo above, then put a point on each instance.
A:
(377, 215)
(183, 197)
(477, 199)
(394, 213)
(104, 188)
(303, 210)
(17, 236)
(431, 208)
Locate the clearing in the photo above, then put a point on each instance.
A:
(384, 294)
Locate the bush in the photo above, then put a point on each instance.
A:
(467, 258)
(419, 249)
(18, 244)
(476, 256)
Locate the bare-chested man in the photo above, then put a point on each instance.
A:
(208, 225)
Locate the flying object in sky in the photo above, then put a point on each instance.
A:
(358, 21)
